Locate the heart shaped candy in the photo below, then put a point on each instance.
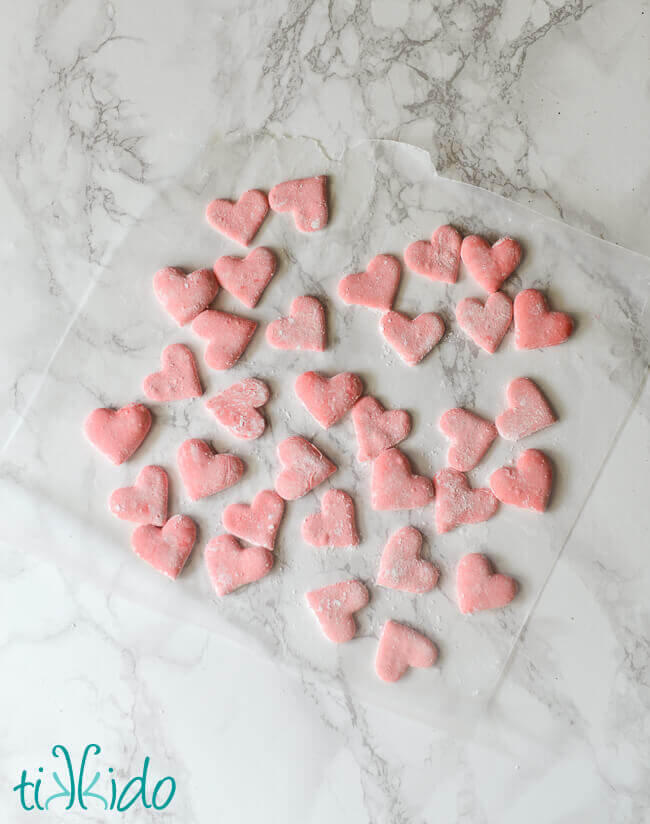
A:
(146, 501)
(335, 605)
(376, 428)
(305, 328)
(178, 379)
(239, 221)
(165, 548)
(489, 265)
(306, 198)
(438, 259)
(485, 323)
(185, 296)
(328, 399)
(528, 411)
(117, 433)
(235, 408)
(205, 472)
(257, 523)
(305, 467)
(394, 486)
(376, 287)
(231, 566)
(246, 278)
(228, 336)
(335, 524)
(401, 647)
(535, 325)
(457, 503)
(401, 566)
(471, 437)
(528, 485)
(478, 586)
(412, 339)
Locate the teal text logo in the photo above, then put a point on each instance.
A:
(85, 786)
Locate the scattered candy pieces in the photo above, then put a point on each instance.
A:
(236, 408)
(305, 467)
(377, 428)
(376, 287)
(479, 587)
(177, 380)
(528, 485)
(394, 486)
(457, 503)
(257, 523)
(166, 548)
(438, 259)
(305, 328)
(328, 399)
(489, 265)
(306, 198)
(470, 435)
(246, 278)
(485, 323)
(528, 411)
(401, 566)
(335, 524)
(239, 221)
(335, 605)
(117, 433)
(204, 471)
(401, 647)
(185, 296)
(412, 339)
(231, 566)
(535, 325)
(146, 501)
(227, 335)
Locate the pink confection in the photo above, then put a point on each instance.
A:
(535, 325)
(528, 411)
(489, 265)
(485, 323)
(412, 339)
(479, 587)
(457, 503)
(401, 566)
(236, 408)
(177, 380)
(305, 328)
(335, 606)
(228, 336)
(328, 399)
(305, 467)
(306, 198)
(239, 221)
(185, 296)
(335, 524)
(376, 287)
(528, 485)
(117, 433)
(146, 501)
(401, 647)
(470, 436)
(246, 278)
(394, 486)
(376, 428)
(438, 259)
(231, 566)
(204, 471)
(257, 523)
(166, 548)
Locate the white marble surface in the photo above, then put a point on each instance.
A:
(544, 103)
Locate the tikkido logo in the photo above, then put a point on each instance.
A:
(86, 788)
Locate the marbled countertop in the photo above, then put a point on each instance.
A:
(104, 103)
